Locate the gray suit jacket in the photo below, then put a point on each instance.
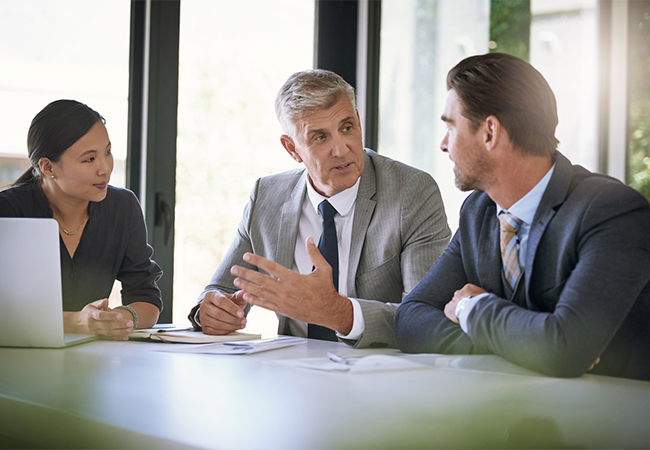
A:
(586, 289)
(399, 229)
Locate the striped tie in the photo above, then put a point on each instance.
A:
(509, 247)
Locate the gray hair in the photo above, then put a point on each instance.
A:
(307, 92)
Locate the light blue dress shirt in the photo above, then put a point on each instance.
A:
(524, 209)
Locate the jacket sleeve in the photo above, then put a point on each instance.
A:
(420, 322)
(600, 279)
(424, 234)
(595, 267)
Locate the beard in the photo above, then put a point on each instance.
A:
(465, 182)
(477, 175)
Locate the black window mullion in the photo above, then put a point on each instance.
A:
(154, 80)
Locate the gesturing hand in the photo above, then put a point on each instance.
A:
(310, 298)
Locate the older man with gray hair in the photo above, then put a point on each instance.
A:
(379, 226)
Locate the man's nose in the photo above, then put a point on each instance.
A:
(443, 143)
(339, 147)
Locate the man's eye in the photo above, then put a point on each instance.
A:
(319, 138)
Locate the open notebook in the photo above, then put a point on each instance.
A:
(31, 303)
(188, 336)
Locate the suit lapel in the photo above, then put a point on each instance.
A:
(289, 222)
(363, 210)
(554, 196)
(490, 266)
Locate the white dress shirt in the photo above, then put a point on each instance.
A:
(524, 209)
(311, 224)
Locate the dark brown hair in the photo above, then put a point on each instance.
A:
(54, 130)
(514, 92)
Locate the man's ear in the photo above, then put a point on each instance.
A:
(492, 130)
(290, 147)
(46, 167)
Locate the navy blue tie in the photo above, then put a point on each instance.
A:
(328, 246)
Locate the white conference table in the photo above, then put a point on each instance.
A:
(124, 395)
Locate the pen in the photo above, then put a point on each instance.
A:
(338, 359)
(168, 330)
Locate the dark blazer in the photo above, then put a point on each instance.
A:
(586, 292)
(399, 230)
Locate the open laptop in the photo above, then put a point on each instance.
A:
(31, 303)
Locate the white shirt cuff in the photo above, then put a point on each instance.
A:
(464, 314)
(358, 324)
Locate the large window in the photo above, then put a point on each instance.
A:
(639, 115)
(64, 49)
(564, 48)
(234, 56)
(422, 39)
(50, 50)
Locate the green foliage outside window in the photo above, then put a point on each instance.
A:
(639, 118)
(510, 27)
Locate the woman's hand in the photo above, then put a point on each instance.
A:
(98, 318)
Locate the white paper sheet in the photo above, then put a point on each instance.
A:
(371, 363)
(235, 348)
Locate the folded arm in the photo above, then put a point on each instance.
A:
(575, 319)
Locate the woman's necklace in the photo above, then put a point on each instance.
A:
(72, 233)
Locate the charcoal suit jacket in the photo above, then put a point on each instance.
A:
(585, 291)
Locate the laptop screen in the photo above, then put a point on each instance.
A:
(31, 306)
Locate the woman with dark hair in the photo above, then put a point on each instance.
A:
(102, 232)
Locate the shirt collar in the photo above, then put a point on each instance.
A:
(526, 207)
(342, 202)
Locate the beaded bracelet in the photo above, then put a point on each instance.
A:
(132, 311)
